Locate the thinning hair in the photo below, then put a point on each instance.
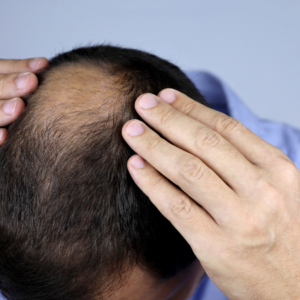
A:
(72, 220)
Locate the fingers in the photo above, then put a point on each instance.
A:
(3, 136)
(22, 65)
(17, 76)
(10, 110)
(198, 139)
(193, 222)
(17, 79)
(255, 149)
(182, 168)
(16, 84)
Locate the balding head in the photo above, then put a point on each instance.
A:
(73, 222)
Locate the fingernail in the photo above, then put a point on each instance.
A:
(138, 162)
(22, 80)
(147, 101)
(34, 63)
(135, 128)
(1, 134)
(168, 95)
(9, 106)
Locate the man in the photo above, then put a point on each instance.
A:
(80, 227)
(195, 248)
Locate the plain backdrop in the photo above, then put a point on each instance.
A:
(252, 45)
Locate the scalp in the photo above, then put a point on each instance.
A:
(76, 89)
(71, 217)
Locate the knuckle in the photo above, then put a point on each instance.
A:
(15, 63)
(187, 108)
(192, 170)
(279, 153)
(181, 206)
(276, 158)
(155, 182)
(151, 144)
(258, 232)
(167, 116)
(227, 125)
(208, 139)
(253, 235)
(3, 82)
(273, 202)
(266, 189)
(289, 171)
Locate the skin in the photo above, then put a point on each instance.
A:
(13, 71)
(241, 202)
(142, 285)
(139, 283)
(80, 80)
(240, 207)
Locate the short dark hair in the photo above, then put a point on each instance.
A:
(72, 219)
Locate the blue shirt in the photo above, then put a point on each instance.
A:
(283, 136)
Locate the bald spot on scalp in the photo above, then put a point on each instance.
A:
(76, 95)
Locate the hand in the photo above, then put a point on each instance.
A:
(239, 207)
(16, 80)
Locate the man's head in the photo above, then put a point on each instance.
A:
(73, 224)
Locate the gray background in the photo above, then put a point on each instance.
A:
(253, 45)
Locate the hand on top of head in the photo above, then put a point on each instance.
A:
(17, 79)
